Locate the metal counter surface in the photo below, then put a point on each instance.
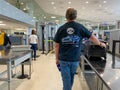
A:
(12, 59)
(9, 54)
(108, 70)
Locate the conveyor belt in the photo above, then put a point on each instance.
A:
(98, 63)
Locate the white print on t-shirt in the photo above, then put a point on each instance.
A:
(70, 30)
(71, 40)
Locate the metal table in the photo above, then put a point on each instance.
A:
(12, 59)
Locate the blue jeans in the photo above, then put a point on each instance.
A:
(34, 48)
(68, 70)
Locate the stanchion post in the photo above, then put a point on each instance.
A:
(43, 48)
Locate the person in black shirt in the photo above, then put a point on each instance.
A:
(6, 40)
(68, 47)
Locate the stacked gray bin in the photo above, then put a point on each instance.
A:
(115, 35)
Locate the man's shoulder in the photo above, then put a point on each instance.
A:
(79, 24)
(61, 28)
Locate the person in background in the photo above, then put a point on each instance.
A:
(7, 41)
(33, 40)
(4, 39)
(68, 47)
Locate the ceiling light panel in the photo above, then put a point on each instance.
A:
(2, 24)
(53, 17)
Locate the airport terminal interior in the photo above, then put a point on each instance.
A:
(99, 68)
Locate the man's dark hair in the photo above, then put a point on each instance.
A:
(71, 14)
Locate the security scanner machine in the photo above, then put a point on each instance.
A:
(109, 36)
(47, 32)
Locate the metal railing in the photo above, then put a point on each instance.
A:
(100, 84)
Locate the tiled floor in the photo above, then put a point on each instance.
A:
(45, 76)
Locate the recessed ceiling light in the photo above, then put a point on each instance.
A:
(52, 3)
(108, 83)
(87, 2)
(24, 9)
(101, 75)
(69, 2)
(53, 17)
(116, 78)
(104, 1)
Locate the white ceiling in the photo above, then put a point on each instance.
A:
(94, 10)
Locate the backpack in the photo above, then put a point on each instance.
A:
(4, 39)
(2, 35)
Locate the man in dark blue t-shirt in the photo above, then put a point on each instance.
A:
(68, 47)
